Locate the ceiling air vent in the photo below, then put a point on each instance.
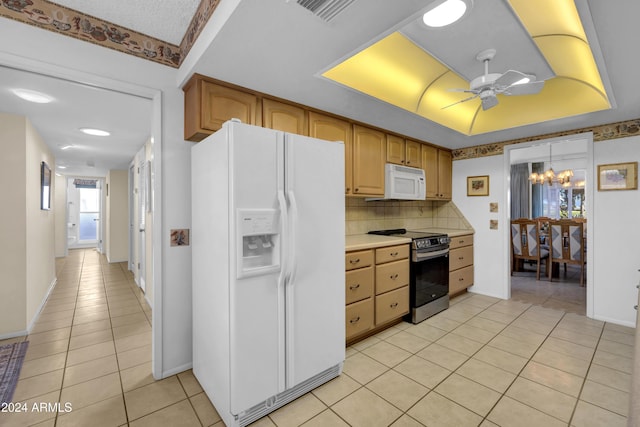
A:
(325, 9)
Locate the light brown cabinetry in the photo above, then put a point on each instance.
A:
(333, 129)
(285, 117)
(377, 289)
(208, 105)
(437, 168)
(460, 263)
(359, 284)
(403, 152)
(369, 155)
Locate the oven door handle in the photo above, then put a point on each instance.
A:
(418, 257)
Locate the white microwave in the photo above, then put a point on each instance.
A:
(403, 183)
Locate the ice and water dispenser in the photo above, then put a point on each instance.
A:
(258, 234)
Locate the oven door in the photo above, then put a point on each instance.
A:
(429, 277)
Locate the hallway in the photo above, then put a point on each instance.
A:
(91, 347)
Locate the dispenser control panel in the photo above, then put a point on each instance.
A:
(258, 233)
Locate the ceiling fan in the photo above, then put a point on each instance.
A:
(487, 86)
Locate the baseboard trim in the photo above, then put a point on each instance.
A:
(176, 370)
(44, 301)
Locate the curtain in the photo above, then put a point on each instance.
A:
(537, 195)
(520, 191)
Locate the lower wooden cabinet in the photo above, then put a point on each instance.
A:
(391, 305)
(359, 318)
(376, 289)
(460, 263)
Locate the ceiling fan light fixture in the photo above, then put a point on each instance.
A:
(445, 13)
(522, 81)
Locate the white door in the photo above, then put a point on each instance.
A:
(256, 303)
(142, 213)
(84, 207)
(315, 294)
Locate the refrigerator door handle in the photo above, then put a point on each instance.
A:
(291, 263)
(284, 235)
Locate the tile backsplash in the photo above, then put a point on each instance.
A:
(362, 216)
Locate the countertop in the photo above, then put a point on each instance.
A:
(371, 241)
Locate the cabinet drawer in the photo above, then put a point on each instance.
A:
(359, 284)
(459, 241)
(460, 257)
(460, 279)
(359, 259)
(392, 305)
(392, 276)
(359, 317)
(392, 253)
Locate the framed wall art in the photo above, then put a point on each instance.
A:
(478, 185)
(618, 176)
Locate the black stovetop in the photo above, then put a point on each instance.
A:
(402, 232)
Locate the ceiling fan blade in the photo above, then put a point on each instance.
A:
(462, 90)
(512, 76)
(489, 102)
(524, 89)
(460, 102)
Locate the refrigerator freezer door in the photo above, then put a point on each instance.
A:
(256, 302)
(314, 177)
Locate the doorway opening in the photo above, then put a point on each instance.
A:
(84, 213)
(556, 202)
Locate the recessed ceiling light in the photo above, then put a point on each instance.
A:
(95, 132)
(445, 13)
(32, 96)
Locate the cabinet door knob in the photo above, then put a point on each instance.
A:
(394, 305)
(354, 261)
(394, 254)
(635, 307)
(356, 320)
(354, 287)
(356, 190)
(394, 276)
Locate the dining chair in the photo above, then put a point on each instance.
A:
(568, 245)
(525, 245)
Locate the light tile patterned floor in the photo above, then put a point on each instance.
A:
(483, 361)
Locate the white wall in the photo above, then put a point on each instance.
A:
(117, 214)
(614, 217)
(488, 260)
(13, 224)
(54, 53)
(27, 231)
(616, 233)
(60, 207)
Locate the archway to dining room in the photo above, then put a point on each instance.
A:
(539, 214)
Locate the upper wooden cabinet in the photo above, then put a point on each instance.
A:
(437, 168)
(412, 154)
(208, 105)
(333, 129)
(395, 149)
(285, 117)
(369, 156)
(403, 152)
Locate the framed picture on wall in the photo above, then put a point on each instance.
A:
(618, 176)
(45, 187)
(478, 185)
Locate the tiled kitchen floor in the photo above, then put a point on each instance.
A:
(483, 361)
(563, 293)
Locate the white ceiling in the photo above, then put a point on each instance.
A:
(279, 48)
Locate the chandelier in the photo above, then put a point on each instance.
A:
(549, 176)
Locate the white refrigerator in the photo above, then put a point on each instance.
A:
(268, 267)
